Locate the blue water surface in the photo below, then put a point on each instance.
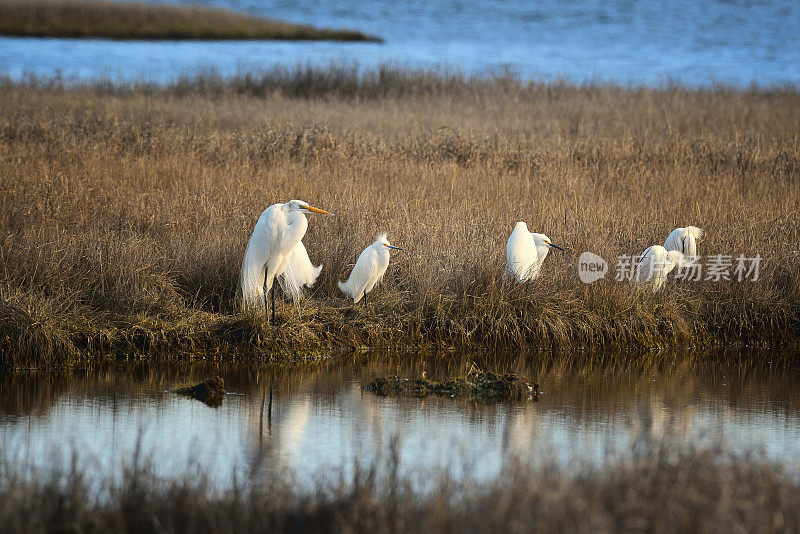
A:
(691, 42)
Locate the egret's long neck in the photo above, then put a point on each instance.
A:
(542, 251)
(296, 227)
(676, 258)
(691, 246)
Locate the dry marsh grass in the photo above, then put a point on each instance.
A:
(661, 491)
(139, 20)
(126, 210)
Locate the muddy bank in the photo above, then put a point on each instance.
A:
(475, 384)
(210, 392)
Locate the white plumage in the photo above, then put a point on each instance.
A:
(684, 240)
(276, 237)
(299, 272)
(369, 269)
(655, 264)
(526, 251)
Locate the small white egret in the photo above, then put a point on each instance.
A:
(279, 230)
(655, 264)
(526, 251)
(369, 269)
(684, 240)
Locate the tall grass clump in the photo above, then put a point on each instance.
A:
(126, 209)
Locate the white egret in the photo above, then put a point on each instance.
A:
(279, 230)
(655, 264)
(370, 268)
(526, 251)
(299, 272)
(684, 240)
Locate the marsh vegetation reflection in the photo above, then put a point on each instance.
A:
(315, 421)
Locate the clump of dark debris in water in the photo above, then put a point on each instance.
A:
(210, 392)
(476, 384)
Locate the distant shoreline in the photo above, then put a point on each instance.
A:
(139, 21)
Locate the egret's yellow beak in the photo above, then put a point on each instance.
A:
(312, 209)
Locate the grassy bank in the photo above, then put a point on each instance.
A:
(697, 491)
(123, 20)
(126, 210)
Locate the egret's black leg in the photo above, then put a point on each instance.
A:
(266, 307)
(365, 299)
(273, 302)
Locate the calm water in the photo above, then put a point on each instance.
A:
(319, 422)
(694, 42)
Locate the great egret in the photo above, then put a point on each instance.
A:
(684, 240)
(276, 237)
(369, 269)
(655, 264)
(526, 251)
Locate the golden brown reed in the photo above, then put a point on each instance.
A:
(662, 488)
(126, 211)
